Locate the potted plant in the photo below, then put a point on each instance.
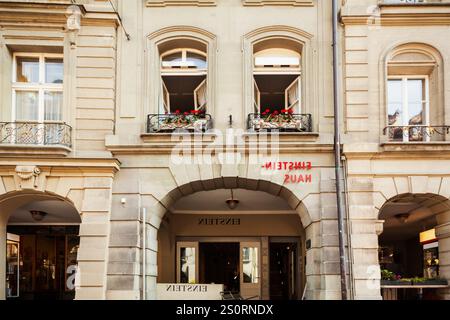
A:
(193, 120)
(283, 119)
(389, 278)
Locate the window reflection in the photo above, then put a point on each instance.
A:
(250, 264)
(27, 70)
(187, 265)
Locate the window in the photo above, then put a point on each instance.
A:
(37, 87)
(183, 81)
(414, 101)
(408, 106)
(277, 77)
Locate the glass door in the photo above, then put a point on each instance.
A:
(187, 262)
(250, 256)
(12, 265)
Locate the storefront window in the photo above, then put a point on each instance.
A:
(187, 263)
(12, 269)
(250, 264)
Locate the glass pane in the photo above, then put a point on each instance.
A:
(54, 70)
(53, 105)
(170, 59)
(12, 269)
(196, 60)
(27, 69)
(27, 105)
(45, 264)
(187, 265)
(415, 102)
(395, 109)
(250, 265)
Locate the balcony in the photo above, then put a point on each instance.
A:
(183, 122)
(49, 138)
(416, 133)
(279, 122)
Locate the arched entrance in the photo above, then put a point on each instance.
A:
(413, 248)
(242, 236)
(41, 231)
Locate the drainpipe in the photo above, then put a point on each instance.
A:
(337, 153)
(144, 254)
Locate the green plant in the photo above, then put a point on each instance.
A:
(388, 275)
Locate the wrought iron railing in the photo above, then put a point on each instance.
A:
(166, 123)
(32, 133)
(415, 133)
(280, 122)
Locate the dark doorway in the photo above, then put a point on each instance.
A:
(219, 264)
(283, 266)
(47, 257)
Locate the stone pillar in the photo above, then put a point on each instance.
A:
(443, 234)
(94, 238)
(365, 228)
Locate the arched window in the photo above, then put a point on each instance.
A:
(184, 69)
(277, 76)
(414, 108)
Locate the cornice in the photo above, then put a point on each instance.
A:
(45, 15)
(95, 164)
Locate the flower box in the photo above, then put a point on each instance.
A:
(430, 282)
(396, 282)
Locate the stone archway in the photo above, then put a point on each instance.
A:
(158, 209)
(406, 215)
(12, 202)
(85, 185)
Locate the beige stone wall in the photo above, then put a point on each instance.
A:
(89, 66)
(229, 30)
(148, 182)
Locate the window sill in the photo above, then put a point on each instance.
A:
(432, 146)
(34, 150)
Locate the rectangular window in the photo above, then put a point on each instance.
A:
(408, 108)
(37, 87)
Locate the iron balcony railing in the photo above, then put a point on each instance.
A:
(280, 122)
(416, 133)
(33, 133)
(167, 123)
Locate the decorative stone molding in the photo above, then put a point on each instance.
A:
(28, 176)
(164, 3)
(298, 3)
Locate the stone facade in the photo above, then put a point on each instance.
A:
(114, 168)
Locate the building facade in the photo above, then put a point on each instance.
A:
(149, 147)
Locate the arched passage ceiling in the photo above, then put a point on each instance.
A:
(251, 202)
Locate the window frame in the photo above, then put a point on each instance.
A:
(273, 71)
(405, 105)
(40, 87)
(170, 71)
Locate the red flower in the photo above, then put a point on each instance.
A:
(267, 110)
(186, 113)
(291, 111)
(283, 111)
(264, 113)
(275, 113)
(177, 111)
